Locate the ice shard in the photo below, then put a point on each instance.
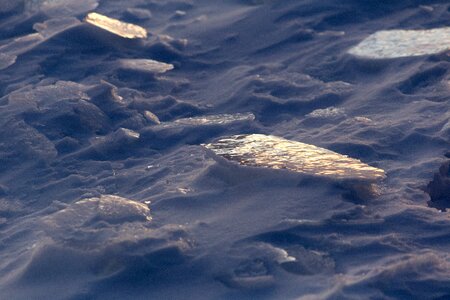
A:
(145, 65)
(221, 119)
(403, 43)
(125, 30)
(266, 151)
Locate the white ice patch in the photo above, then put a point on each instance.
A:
(125, 30)
(266, 151)
(327, 113)
(151, 117)
(403, 43)
(222, 119)
(145, 65)
(128, 133)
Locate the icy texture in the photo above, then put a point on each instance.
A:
(125, 30)
(257, 150)
(145, 65)
(402, 43)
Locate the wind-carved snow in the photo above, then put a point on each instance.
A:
(403, 43)
(145, 65)
(125, 30)
(266, 151)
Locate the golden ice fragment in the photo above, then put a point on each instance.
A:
(125, 30)
(403, 43)
(266, 151)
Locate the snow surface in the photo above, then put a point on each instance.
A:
(107, 193)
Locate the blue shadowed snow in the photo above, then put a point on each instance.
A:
(107, 193)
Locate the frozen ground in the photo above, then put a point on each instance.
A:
(106, 193)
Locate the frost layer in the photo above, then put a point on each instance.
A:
(402, 43)
(266, 151)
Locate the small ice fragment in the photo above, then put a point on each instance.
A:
(426, 8)
(107, 208)
(125, 30)
(327, 113)
(221, 119)
(128, 133)
(266, 151)
(403, 43)
(180, 13)
(184, 191)
(145, 65)
(151, 117)
(363, 120)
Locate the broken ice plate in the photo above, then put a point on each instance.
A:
(125, 30)
(403, 43)
(267, 151)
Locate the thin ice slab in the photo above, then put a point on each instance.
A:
(266, 151)
(222, 119)
(145, 65)
(125, 30)
(403, 43)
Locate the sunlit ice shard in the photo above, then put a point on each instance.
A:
(266, 151)
(403, 43)
(125, 30)
(145, 65)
